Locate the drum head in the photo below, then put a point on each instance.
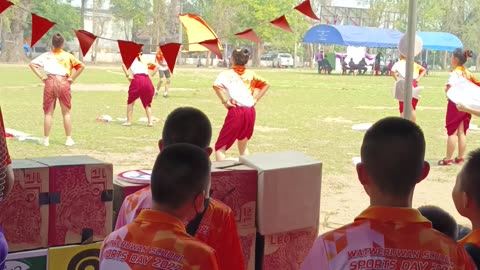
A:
(136, 176)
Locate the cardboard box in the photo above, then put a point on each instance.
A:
(288, 191)
(287, 251)
(24, 214)
(81, 195)
(247, 241)
(236, 186)
(28, 260)
(74, 257)
(121, 189)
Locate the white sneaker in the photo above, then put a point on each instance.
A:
(46, 142)
(69, 142)
(165, 94)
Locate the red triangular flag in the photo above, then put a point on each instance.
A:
(249, 35)
(40, 27)
(86, 40)
(306, 8)
(129, 50)
(212, 45)
(4, 4)
(282, 23)
(170, 52)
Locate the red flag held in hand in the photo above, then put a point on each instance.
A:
(40, 27)
(282, 23)
(170, 52)
(4, 4)
(129, 50)
(86, 40)
(249, 35)
(213, 46)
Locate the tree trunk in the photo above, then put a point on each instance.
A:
(259, 50)
(12, 45)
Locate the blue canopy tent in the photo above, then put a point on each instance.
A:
(440, 41)
(349, 35)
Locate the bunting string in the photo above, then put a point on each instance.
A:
(129, 50)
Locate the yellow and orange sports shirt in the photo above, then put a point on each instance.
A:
(217, 228)
(240, 85)
(58, 62)
(387, 238)
(155, 240)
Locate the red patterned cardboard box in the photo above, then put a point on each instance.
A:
(122, 189)
(247, 240)
(24, 214)
(236, 185)
(80, 199)
(288, 250)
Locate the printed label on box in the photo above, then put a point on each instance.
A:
(288, 250)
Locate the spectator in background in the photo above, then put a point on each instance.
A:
(6, 183)
(425, 66)
(389, 174)
(319, 59)
(326, 66)
(378, 59)
(352, 66)
(344, 66)
(362, 67)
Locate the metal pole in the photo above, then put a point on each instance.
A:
(412, 22)
(180, 33)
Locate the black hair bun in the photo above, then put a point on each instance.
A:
(246, 51)
(469, 53)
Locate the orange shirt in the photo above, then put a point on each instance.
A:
(387, 238)
(473, 238)
(4, 156)
(155, 241)
(217, 228)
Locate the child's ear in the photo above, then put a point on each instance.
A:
(160, 145)
(425, 172)
(364, 178)
(200, 202)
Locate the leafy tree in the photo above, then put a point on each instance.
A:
(133, 14)
(13, 25)
(60, 12)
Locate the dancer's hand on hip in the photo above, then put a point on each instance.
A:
(228, 104)
(462, 107)
(70, 80)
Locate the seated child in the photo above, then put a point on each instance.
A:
(393, 162)
(466, 196)
(157, 239)
(441, 220)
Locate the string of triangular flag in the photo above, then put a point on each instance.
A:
(129, 50)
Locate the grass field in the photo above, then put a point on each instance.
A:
(303, 111)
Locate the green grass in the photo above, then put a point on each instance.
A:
(303, 111)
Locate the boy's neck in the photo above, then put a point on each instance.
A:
(167, 210)
(391, 202)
